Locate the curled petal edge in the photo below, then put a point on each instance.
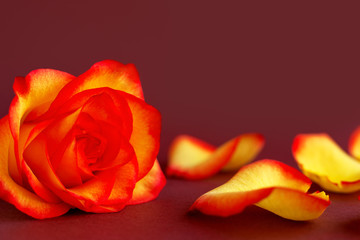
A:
(354, 144)
(325, 163)
(15, 194)
(193, 159)
(149, 187)
(270, 185)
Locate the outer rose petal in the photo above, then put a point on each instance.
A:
(354, 144)
(323, 161)
(34, 94)
(123, 178)
(10, 191)
(268, 184)
(145, 137)
(149, 187)
(108, 73)
(191, 158)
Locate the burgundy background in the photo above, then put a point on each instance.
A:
(214, 69)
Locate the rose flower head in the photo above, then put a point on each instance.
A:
(87, 142)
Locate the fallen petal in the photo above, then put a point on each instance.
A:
(191, 158)
(324, 162)
(354, 144)
(268, 184)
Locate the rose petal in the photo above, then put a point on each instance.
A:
(268, 184)
(111, 159)
(102, 108)
(34, 93)
(90, 193)
(101, 104)
(14, 171)
(146, 121)
(113, 147)
(40, 189)
(10, 191)
(190, 158)
(324, 162)
(354, 144)
(149, 187)
(247, 149)
(67, 169)
(108, 73)
(27, 133)
(121, 193)
(57, 131)
(145, 137)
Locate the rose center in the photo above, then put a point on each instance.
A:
(91, 148)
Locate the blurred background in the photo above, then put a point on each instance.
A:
(214, 69)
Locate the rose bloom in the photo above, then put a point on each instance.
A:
(87, 142)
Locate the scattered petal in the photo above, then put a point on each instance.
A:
(191, 158)
(354, 144)
(269, 184)
(324, 162)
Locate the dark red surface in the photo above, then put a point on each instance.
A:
(214, 69)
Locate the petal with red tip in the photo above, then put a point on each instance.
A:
(36, 156)
(34, 94)
(149, 187)
(15, 194)
(192, 158)
(145, 120)
(108, 73)
(122, 190)
(248, 147)
(324, 162)
(354, 144)
(94, 192)
(28, 132)
(145, 137)
(268, 184)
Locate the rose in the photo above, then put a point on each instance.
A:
(88, 142)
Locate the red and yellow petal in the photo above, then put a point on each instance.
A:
(15, 194)
(109, 190)
(191, 158)
(108, 73)
(102, 108)
(105, 187)
(38, 187)
(145, 137)
(268, 184)
(149, 187)
(34, 94)
(324, 162)
(67, 169)
(27, 133)
(248, 147)
(36, 157)
(146, 123)
(354, 144)
(122, 190)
